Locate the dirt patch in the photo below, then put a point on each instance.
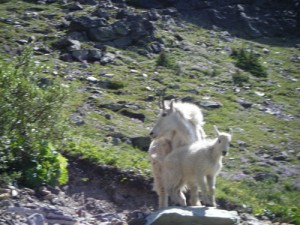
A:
(94, 195)
(117, 190)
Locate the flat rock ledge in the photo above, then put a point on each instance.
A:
(193, 216)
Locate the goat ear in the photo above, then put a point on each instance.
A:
(172, 104)
(216, 130)
(163, 104)
(230, 131)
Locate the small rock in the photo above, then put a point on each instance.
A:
(133, 115)
(141, 142)
(108, 116)
(242, 143)
(36, 219)
(134, 71)
(266, 51)
(92, 79)
(210, 104)
(282, 157)
(44, 192)
(109, 75)
(259, 176)
(113, 106)
(75, 6)
(14, 193)
(49, 197)
(4, 196)
(107, 58)
(260, 94)
(4, 190)
(150, 98)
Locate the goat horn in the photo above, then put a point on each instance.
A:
(162, 100)
(159, 102)
(216, 129)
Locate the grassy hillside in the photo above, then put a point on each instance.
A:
(261, 174)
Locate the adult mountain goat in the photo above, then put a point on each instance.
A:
(179, 124)
(194, 165)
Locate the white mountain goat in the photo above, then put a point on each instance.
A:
(179, 124)
(194, 165)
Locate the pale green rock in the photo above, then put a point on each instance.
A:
(193, 216)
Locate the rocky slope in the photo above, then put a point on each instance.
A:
(93, 196)
(249, 19)
(95, 43)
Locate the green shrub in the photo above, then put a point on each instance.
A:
(115, 85)
(249, 62)
(31, 123)
(239, 78)
(214, 72)
(164, 60)
(49, 167)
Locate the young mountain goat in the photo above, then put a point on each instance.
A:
(179, 124)
(192, 165)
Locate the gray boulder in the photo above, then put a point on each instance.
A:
(75, 6)
(113, 106)
(102, 34)
(84, 23)
(240, 17)
(95, 55)
(210, 104)
(90, 55)
(141, 142)
(80, 55)
(134, 115)
(193, 216)
(36, 219)
(121, 28)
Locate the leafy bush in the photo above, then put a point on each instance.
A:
(49, 167)
(31, 124)
(248, 61)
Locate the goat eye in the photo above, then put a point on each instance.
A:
(164, 114)
(219, 141)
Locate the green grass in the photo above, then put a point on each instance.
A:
(105, 152)
(277, 202)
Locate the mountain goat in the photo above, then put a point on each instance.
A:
(196, 164)
(179, 124)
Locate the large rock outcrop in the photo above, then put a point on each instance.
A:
(193, 216)
(246, 18)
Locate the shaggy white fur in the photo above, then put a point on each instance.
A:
(179, 124)
(196, 164)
